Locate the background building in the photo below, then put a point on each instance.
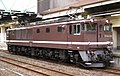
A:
(44, 5)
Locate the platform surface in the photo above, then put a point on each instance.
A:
(3, 46)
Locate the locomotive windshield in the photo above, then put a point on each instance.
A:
(106, 28)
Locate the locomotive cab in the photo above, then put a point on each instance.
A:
(97, 44)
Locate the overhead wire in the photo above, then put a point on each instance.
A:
(29, 3)
(27, 6)
(3, 5)
(13, 4)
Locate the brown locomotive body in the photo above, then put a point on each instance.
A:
(82, 42)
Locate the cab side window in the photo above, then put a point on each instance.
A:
(47, 30)
(59, 29)
(37, 30)
(77, 29)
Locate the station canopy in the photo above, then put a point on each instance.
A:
(17, 15)
(104, 8)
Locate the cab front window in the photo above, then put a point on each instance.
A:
(107, 28)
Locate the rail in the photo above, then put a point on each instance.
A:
(18, 63)
(110, 71)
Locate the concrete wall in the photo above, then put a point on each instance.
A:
(50, 4)
(118, 38)
(3, 28)
(116, 31)
(117, 60)
(3, 39)
(115, 20)
(43, 5)
(61, 3)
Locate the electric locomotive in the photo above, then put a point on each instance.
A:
(84, 42)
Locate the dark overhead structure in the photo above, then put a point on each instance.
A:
(104, 8)
(5, 16)
(17, 15)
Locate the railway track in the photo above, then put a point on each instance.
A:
(113, 71)
(52, 61)
(34, 68)
(110, 71)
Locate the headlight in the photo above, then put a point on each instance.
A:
(112, 61)
(88, 63)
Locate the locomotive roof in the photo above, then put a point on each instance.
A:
(52, 24)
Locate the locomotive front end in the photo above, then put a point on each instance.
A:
(99, 47)
(98, 57)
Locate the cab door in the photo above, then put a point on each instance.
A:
(69, 35)
(74, 34)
